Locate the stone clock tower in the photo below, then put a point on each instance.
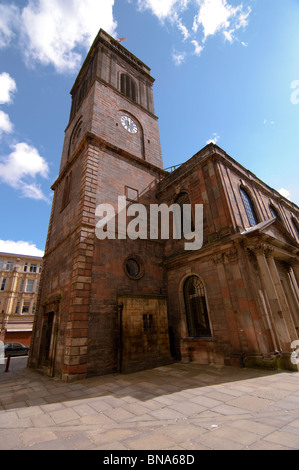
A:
(102, 305)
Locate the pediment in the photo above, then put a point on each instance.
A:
(273, 230)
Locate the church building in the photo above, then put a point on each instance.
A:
(117, 303)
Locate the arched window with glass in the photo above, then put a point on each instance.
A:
(249, 207)
(196, 308)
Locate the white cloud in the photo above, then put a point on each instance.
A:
(285, 193)
(24, 162)
(178, 57)
(183, 29)
(5, 123)
(212, 16)
(20, 169)
(197, 47)
(214, 139)
(9, 19)
(229, 35)
(168, 10)
(55, 32)
(20, 248)
(243, 18)
(162, 9)
(33, 191)
(58, 33)
(7, 88)
(56, 29)
(209, 18)
(218, 15)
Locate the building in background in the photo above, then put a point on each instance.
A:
(19, 278)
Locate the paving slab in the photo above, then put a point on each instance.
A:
(186, 407)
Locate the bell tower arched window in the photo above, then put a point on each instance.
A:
(75, 136)
(128, 86)
(249, 207)
(66, 191)
(196, 308)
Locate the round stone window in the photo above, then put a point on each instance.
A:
(133, 267)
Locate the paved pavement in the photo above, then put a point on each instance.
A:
(177, 407)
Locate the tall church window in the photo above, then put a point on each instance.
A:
(249, 207)
(196, 308)
(128, 86)
(75, 136)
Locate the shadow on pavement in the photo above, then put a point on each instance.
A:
(21, 387)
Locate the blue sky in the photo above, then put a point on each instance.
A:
(226, 71)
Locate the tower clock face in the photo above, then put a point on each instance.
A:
(129, 124)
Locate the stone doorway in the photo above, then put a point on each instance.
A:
(46, 339)
(144, 336)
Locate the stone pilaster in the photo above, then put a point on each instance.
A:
(294, 264)
(76, 343)
(295, 267)
(282, 298)
(261, 251)
(230, 311)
